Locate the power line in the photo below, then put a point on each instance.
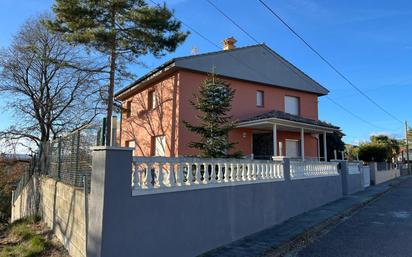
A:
(327, 62)
(283, 62)
(214, 44)
(231, 20)
(255, 40)
(352, 113)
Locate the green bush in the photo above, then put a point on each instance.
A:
(374, 152)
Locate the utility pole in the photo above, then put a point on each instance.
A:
(407, 147)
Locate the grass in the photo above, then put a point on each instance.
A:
(34, 246)
(26, 242)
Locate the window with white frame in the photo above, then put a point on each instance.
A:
(131, 143)
(292, 148)
(292, 105)
(259, 98)
(159, 146)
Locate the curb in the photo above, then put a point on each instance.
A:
(316, 230)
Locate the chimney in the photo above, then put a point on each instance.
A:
(229, 43)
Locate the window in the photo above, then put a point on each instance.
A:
(128, 109)
(259, 98)
(292, 148)
(159, 146)
(292, 105)
(131, 144)
(151, 101)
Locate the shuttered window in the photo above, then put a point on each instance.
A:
(292, 105)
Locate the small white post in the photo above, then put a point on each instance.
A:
(325, 151)
(335, 155)
(302, 143)
(343, 155)
(275, 141)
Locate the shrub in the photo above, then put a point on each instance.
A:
(373, 152)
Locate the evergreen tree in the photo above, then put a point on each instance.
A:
(213, 102)
(122, 30)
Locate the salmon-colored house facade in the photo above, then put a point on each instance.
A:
(275, 103)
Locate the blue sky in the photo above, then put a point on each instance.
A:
(369, 41)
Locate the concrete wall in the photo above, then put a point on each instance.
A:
(27, 202)
(354, 183)
(385, 175)
(188, 223)
(61, 207)
(351, 183)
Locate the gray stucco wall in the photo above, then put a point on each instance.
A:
(188, 223)
(354, 183)
(351, 183)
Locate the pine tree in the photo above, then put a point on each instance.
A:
(122, 30)
(213, 103)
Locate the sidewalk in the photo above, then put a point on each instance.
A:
(281, 238)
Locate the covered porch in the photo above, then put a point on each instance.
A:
(281, 134)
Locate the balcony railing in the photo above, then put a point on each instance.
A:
(310, 169)
(164, 174)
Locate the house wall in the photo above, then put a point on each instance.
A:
(143, 124)
(175, 93)
(244, 106)
(311, 145)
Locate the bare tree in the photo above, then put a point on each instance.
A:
(52, 86)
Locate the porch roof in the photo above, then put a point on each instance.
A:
(287, 119)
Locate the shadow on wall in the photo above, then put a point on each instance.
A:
(67, 215)
(61, 207)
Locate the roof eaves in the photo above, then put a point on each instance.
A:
(146, 76)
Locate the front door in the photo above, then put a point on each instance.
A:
(263, 146)
(292, 148)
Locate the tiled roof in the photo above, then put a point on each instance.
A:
(256, 63)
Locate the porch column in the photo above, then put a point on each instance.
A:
(275, 141)
(325, 152)
(302, 143)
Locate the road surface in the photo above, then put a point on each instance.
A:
(381, 229)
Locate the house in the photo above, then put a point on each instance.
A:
(274, 102)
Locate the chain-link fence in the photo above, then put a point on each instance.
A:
(69, 158)
(25, 178)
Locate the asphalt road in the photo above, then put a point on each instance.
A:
(381, 229)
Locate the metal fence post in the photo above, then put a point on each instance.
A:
(59, 161)
(77, 157)
(86, 208)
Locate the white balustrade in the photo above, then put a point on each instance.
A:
(353, 168)
(311, 169)
(164, 174)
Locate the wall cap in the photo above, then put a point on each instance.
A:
(111, 148)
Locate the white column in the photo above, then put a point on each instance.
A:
(325, 151)
(302, 143)
(275, 141)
